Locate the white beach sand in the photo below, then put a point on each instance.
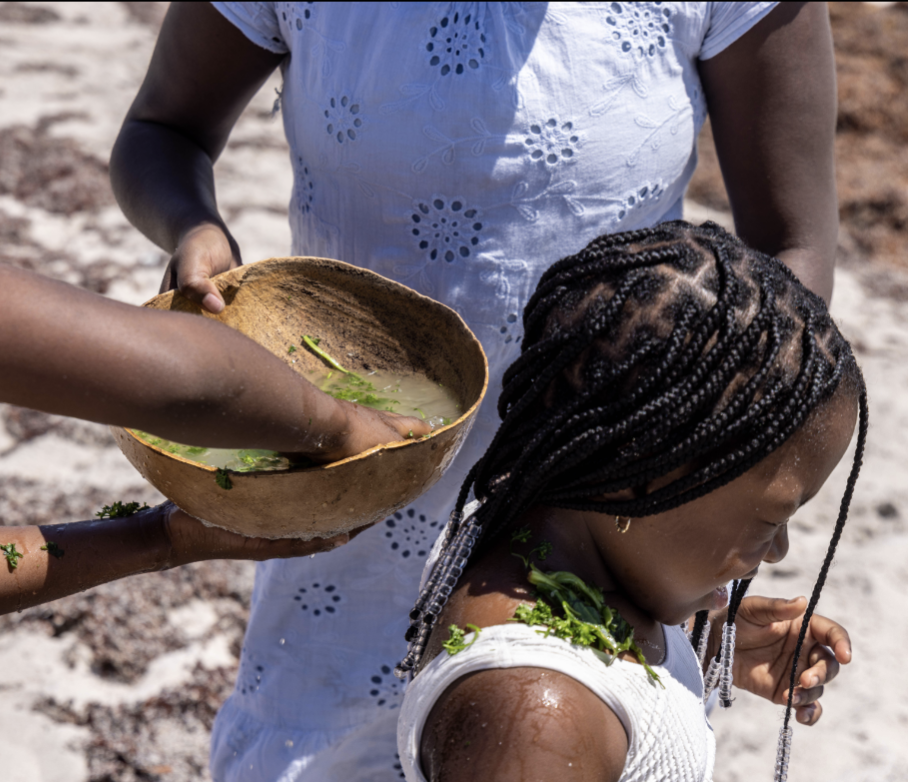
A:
(82, 63)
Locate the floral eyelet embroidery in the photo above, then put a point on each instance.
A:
(386, 688)
(445, 229)
(305, 186)
(640, 28)
(299, 19)
(302, 12)
(319, 600)
(343, 119)
(410, 534)
(456, 44)
(637, 198)
(249, 680)
(552, 141)
(507, 329)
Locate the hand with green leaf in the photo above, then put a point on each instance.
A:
(353, 421)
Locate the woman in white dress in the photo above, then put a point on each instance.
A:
(457, 148)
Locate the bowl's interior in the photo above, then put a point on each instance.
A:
(363, 320)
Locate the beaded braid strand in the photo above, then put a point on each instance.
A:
(785, 732)
(719, 673)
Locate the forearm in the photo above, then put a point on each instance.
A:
(772, 104)
(179, 376)
(61, 559)
(202, 74)
(813, 266)
(163, 182)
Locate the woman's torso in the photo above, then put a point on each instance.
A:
(566, 121)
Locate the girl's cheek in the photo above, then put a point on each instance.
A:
(741, 562)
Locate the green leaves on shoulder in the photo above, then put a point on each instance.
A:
(569, 608)
(456, 640)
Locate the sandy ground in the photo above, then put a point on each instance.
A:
(122, 683)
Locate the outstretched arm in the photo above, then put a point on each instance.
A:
(772, 104)
(202, 75)
(183, 377)
(40, 564)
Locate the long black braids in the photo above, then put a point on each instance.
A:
(673, 354)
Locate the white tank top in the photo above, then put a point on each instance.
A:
(669, 736)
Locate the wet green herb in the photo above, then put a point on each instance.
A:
(120, 510)
(455, 642)
(359, 391)
(569, 608)
(312, 344)
(53, 549)
(222, 478)
(12, 556)
(291, 349)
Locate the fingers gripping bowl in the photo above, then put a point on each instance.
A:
(373, 324)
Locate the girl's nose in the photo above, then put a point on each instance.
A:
(778, 549)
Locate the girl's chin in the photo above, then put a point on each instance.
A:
(717, 599)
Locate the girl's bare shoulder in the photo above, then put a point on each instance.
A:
(520, 724)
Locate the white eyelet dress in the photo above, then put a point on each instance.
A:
(461, 149)
(669, 736)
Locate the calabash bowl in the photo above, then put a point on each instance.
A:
(365, 321)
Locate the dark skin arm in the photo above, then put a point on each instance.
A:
(772, 104)
(95, 552)
(202, 75)
(522, 725)
(71, 352)
(186, 378)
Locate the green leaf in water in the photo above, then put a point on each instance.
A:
(312, 344)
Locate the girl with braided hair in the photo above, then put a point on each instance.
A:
(677, 398)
